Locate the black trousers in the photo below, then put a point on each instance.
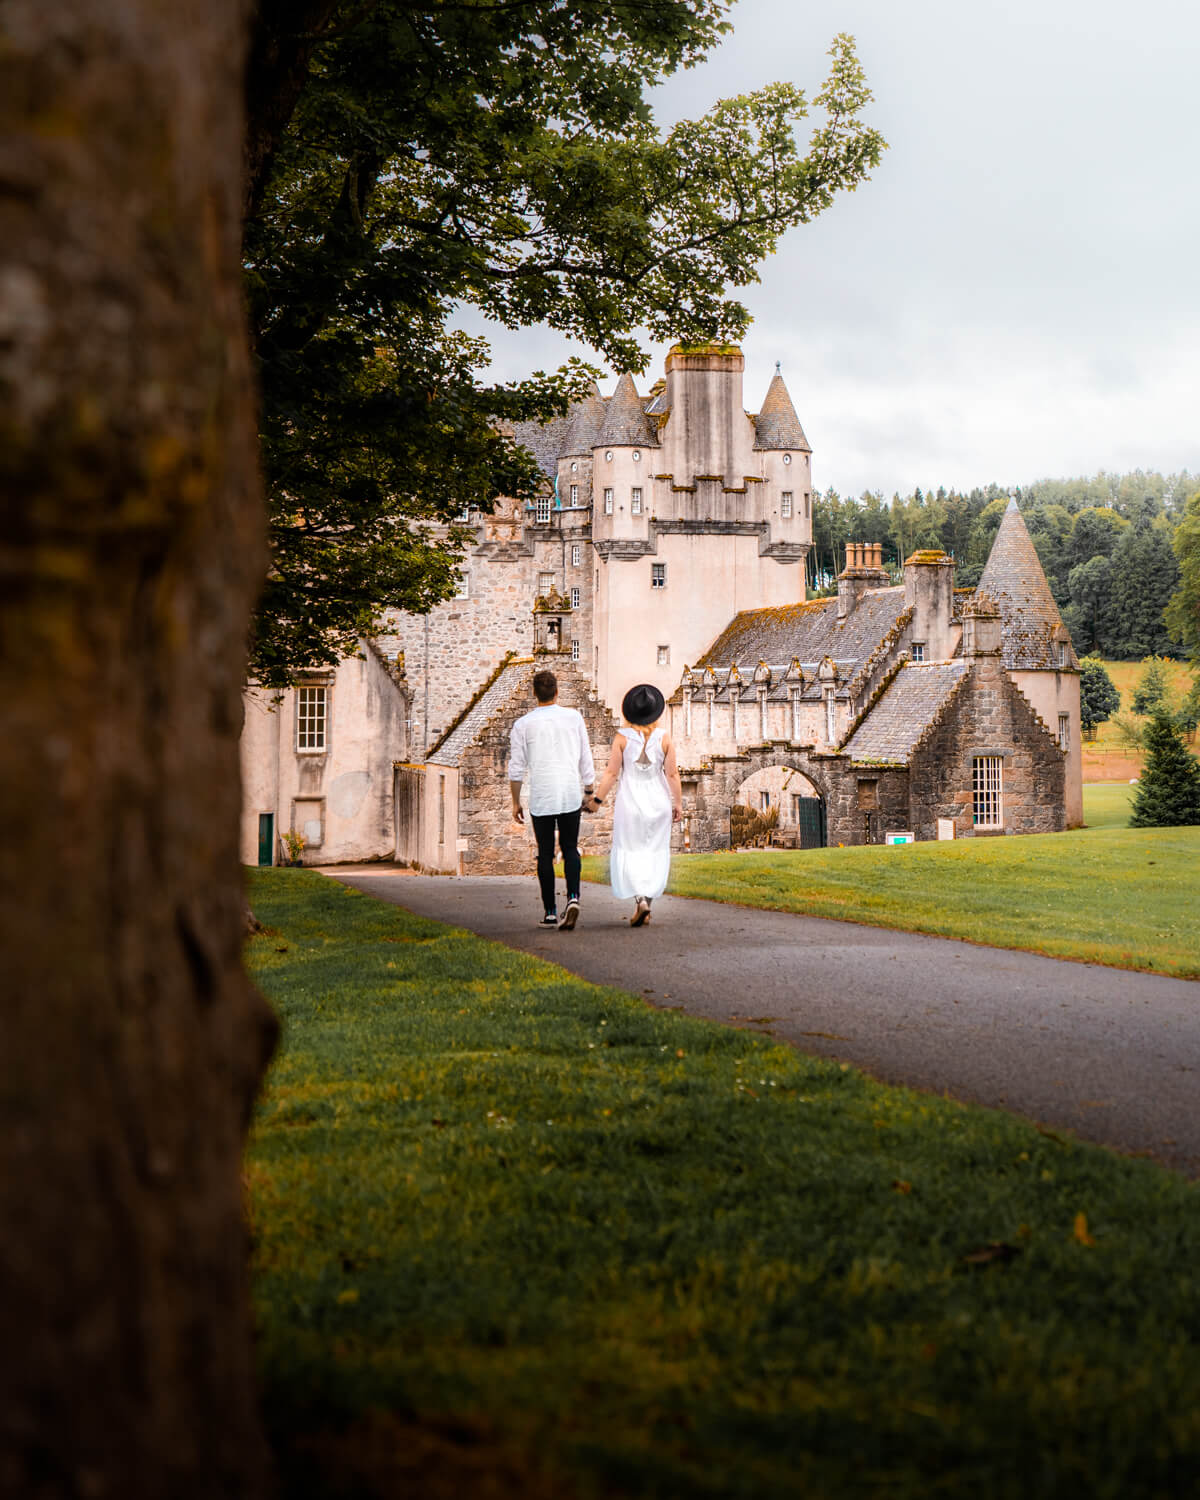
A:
(568, 841)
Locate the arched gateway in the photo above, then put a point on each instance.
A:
(771, 775)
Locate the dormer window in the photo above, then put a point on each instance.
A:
(1060, 653)
(918, 651)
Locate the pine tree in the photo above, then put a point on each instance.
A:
(1098, 695)
(1150, 695)
(1168, 795)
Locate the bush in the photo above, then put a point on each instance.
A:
(1168, 794)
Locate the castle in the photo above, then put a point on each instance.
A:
(668, 545)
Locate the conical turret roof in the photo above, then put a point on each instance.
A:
(1013, 577)
(625, 423)
(778, 426)
(585, 422)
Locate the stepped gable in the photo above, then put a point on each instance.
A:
(808, 632)
(777, 425)
(896, 725)
(511, 679)
(626, 424)
(1013, 577)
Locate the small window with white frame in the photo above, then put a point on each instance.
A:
(664, 656)
(785, 505)
(312, 720)
(463, 591)
(576, 555)
(608, 501)
(764, 802)
(658, 575)
(987, 785)
(635, 502)
(575, 598)
(1060, 653)
(542, 511)
(1064, 731)
(574, 650)
(574, 495)
(545, 584)
(918, 651)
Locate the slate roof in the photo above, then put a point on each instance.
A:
(913, 700)
(586, 422)
(1013, 577)
(626, 423)
(510, 680)
(808, 632)
(777, 425)
(546, 441)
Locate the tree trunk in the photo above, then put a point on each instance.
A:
(131, 1043)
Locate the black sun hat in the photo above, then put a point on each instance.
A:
(643, 704)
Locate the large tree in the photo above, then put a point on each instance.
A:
(408, 159)
(131, 1043)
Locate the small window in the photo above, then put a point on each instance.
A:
(545, 584)
(664, 656)
(608, 457)
(311, 716)
(764, 801)
(918, 651)
(608, 502)
(1060, 653)
(636, 456)
(574, 650)
(787, 458)
(807, 505)
(542, 513)
(574, 467)
(463, 591)
(464, 514)
(658, 575)
(1064, 731)
(574, 494)
(575, 597)
(576, 555)
(785, 505)
(986, 782)
(635, 503)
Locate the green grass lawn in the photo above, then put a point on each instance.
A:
(1107, 804)
(1105, 894)
(516, 1236)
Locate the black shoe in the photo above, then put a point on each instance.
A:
(549, 920)
(570, 916)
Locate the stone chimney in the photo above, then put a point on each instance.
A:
(981, 627)
(707, 431)
(864, 570)
(929, 593)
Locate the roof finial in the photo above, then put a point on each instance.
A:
(777, 369)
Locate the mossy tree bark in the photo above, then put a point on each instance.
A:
(131, 1043)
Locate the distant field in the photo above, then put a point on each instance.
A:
(1108, 757)
(1107, 804)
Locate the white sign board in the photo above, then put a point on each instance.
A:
(902, 836)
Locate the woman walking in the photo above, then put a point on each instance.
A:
(649, 800)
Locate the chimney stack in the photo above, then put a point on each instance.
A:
(864, 570)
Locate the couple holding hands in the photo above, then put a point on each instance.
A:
(549, 745)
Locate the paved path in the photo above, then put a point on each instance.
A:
(1112, 1055)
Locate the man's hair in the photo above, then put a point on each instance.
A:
(545, 687)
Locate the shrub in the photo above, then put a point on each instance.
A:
(1168, 794)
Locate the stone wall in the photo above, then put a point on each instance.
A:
(861, 802)
(495, 844)
(989, 716)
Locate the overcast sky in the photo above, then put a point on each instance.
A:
(1013, 295)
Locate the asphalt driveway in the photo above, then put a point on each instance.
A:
(1109, 1054)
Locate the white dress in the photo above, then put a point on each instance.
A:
(641, 839)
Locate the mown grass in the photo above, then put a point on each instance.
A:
(515, 1235)
(1112, 895)
(1107, 804)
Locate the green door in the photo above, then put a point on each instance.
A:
(266, 838)
(811, 822)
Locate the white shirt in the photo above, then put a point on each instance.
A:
(550, 746)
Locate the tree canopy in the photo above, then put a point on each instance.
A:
(406, 160)
(1099, 697)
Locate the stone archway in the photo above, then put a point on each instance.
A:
(788, 799)
(810, 775)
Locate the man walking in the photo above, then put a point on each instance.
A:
(550, 745)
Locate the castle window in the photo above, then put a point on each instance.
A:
(576, 555)
(764, 802)
(635, 503)
(830, 720)
(1064, 731)
(787, 458)
(545, 584)
(664, 656)
(795, 716)
(785, 505)
(608, 502)
(542, 514)
(636, 456)
(312, 705)
(1060, 653)
(807, 505)
(463, 591)
(763, 722)
(575, 597)
(574, 494)
(608, 457)
(918, 651)
(574, 467)
(658, 575)
(986, 774)
(574, 650)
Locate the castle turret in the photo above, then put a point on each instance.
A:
(778, 426)
(783, 452)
